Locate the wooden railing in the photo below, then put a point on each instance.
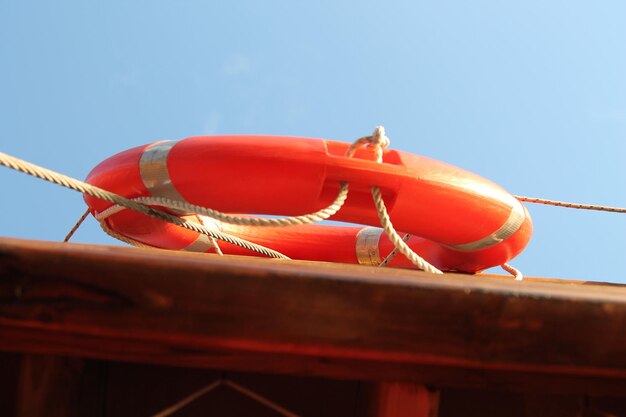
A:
(336, 321)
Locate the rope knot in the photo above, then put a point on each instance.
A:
(379, 138)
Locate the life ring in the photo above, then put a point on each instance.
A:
(459, 221)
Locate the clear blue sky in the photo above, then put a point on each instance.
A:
(529, 94)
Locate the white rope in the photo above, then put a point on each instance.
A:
(213, 241)
(105, 227)
(259, 398)
(234, 386)
(83, 187)
(76, 226)
(238, 220)
(513, 271)
(188, 400)
(115, 235)
(570, 205)
(516, 272)
(216, 247)
(394, 252)
(395, 238)
(378, 142)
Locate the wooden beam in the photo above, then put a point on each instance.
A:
(311, 318)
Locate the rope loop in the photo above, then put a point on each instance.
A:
(185, 207)
(378, 141)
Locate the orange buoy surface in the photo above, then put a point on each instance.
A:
(458, 220)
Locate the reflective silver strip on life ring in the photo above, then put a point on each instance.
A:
(367, 252)
(513, 223)
(203, 242)
(154, 172)
(156, 178)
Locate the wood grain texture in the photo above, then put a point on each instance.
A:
(311, 318)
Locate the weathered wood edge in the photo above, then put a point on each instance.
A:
(319, 319)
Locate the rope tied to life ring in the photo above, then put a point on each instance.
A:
(377, 142)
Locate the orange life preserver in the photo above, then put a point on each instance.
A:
(459, 220)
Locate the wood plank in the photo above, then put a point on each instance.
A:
(311, 318)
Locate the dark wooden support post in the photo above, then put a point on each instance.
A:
(59, 386)
(403, 399)
(48, 386)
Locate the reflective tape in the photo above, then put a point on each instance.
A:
(367, 240)
(154, 172)
(512, 225)
(203, 242)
